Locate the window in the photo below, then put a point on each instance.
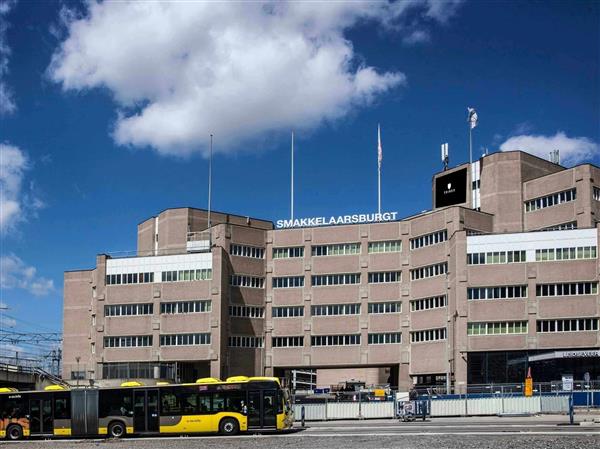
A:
(288, 342)
(335, 309)
(339, 249)
(287, 253)
(596, 193)
(561, 227)
(389, 246)
(242, 280)
(335, 279)
(433, 302)
(497, 328)
(115, 403)
(77, 375)
(496, 257)
(62, 406)
(550, 200)
(203, 274)
(288, 282)
(384, 277)
(568, 325)
(198, 306)
(129, 278)
(134, 341)
(128, 309)
(335, 340)
(385, 339)
(572, 253)
(288, 311)
(185, 339)
(243, 311)
(567, 289)
(497, 292)
(247, 251)
(428, 271)
(429, 239)
(428, 335)
(385, 307)
(245, 341)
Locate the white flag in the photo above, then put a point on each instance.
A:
(472, 118)
(379, 149)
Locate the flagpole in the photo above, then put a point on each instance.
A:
(379, 168)
(210, 189)
(292, 182)
(470, 143)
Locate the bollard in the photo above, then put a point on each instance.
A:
(571, 408)
(302, 416)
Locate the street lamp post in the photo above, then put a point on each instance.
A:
(77, 359)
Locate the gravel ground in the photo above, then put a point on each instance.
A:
(555, 441)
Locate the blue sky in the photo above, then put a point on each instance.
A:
(107, 112)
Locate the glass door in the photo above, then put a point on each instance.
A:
(145, 411)
(262, 408)
(40, 416)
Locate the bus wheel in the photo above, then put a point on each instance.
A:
(116, 430)
(14, 433)
(229, 426)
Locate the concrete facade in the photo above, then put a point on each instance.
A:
(337, 329)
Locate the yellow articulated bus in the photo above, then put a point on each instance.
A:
(238, 404)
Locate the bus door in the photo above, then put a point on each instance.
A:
(262, 408)
(41, 420)
(145, 411)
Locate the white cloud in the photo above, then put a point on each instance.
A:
(7, 103)
(573, 150)
(417, 37)
(179, 71)
(13, 163)
(14, 273)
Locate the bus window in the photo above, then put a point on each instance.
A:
(204, 404)
(218, 402)
(14, 407)
(62, 406)
(169, 402)
(115, 403)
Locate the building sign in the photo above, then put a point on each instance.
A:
(451, 189)
(577, 354)
(339, 220)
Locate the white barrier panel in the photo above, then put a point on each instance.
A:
(448, 407)
(312, 412)
(555, 404)
(521, 404)
(378, 410)
(484, 406)
(342, 410)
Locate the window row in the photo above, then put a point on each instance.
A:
(322, 280)
(550, 200)
(128, 309)
(429, 239)
(203, 274)
(335, 340)
(567, 289)
(243, 280)
(185, 339)
(244, 311)
(500, 292)
(287, 342)
(335, 309)
(497, 328)
(253, 252)
(286, 253)
(573, 325)
(197, 306)
(433, 302)
(337, 249)
(385, 338)
(129, 278)
(390, 246)
(428, 271)
(188, 401)
(561, 226)
(428, 335)
(287, 311)
(385, 307)
(596, 193)
(246, 341)
(496, 257)
(131, 341)
(288, 282)
(384, 277)
(580, 252)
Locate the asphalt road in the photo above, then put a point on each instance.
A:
(378, 434)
